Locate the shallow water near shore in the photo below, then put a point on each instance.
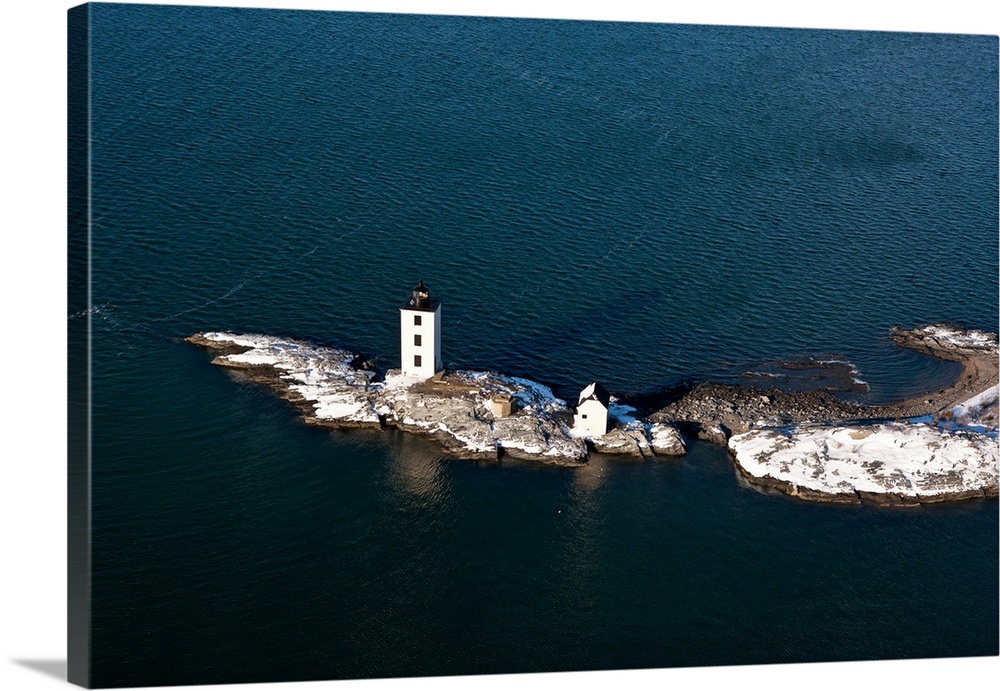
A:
(634, 204)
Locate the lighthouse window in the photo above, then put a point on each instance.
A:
(417, 340)
(417, 320)
(416, 360)
(584, 416)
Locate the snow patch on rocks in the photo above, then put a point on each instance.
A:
(918, 462)
(322, 376)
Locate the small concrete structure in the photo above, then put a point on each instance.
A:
(501, 405)
(420, 334)
(592, 411)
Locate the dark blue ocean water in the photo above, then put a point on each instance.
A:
(632, 203)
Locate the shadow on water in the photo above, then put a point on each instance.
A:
(648, 402)
(551, 353)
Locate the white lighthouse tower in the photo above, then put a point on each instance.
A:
(420, 334)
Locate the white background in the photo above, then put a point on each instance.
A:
(33, 270)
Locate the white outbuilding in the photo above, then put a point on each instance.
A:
(420, 334)
(592, 411)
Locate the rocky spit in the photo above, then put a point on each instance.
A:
(941, 446)
(336, 389)
(717, 411)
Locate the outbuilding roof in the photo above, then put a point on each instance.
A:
(596, 392)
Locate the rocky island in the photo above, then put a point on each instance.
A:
(334, 388)
(812, 445)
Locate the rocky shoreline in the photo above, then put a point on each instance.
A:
(770, 433)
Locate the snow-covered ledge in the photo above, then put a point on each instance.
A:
(889, 463)
(454, 410)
